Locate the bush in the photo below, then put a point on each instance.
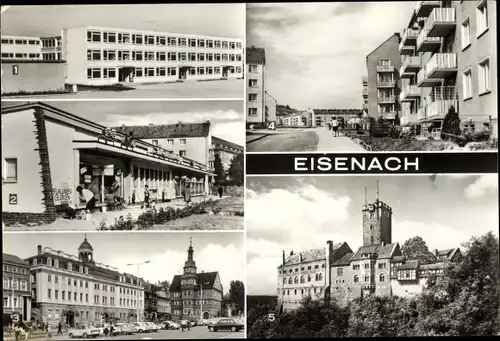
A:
(451, 125)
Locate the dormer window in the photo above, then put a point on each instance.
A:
(87, 270)
(49, 261)
(70, 266)
(35, 261)
(56, 263)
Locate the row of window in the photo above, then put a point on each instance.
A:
(318, 277)
(191, 302)
(161, 56)
(482, 25)
(97, 286)
(142, 39)
(370, 278)
(110, 73)
(368, 265)
(12, 302)
(15, 269)
(484, 80)
(83, 315)
(51, 56)
(21, 55)
(20, 41)
(306, 291)
(73, 296)
(303, 268)
(15, 284)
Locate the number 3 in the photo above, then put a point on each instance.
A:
(15, 318)
(271, 318)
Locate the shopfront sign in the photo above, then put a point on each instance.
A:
(62, 194)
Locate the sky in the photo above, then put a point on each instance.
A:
(301, 213)
(167, 252)
(224, 20)
(316, 52)
(226, 117)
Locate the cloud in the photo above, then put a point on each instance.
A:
(262, 275)
(316, 52)
(485, 185)
(229, 260)
(230, 131)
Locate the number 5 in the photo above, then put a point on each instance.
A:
(271, 318)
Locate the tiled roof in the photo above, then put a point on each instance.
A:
(397, 259)
(433, 266)
(167, 130)
(410, 264)
(256, 55)
(445, 252)
(345, 260)
(217, 140)
(338, 111)
(382, 251)
(309, 255)
(207, 279)
(8, 258)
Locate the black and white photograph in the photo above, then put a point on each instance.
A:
(128, 286)
(123, 51)
(372, 256)
(122, 165)
(372, 76)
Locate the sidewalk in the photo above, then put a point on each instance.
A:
(328, 143)
(107, 218)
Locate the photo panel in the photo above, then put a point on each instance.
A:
(420, 78)
(123, 51)
(122, 165)
(372, 256)
(127, 285)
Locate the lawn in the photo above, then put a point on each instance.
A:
(289, 141)
(411, 144)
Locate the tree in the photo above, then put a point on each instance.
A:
(416, 248)
(451, 124)
(219, 169)
(237, 170)
(397, 120)
(165, 285)
(237, 295)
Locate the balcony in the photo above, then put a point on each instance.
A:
(424, 81)
(439, 101)
(365, 92)
(441, 65)
(409, 38)
(385, 68)
(387, 115)
(387, 99)
(410, 66)
(365, 80)
(424, 8)
(410, 93)
(426, 43)
(409, 119)
(438, 110)
(386, 84)
(421, 113)
(441, 22)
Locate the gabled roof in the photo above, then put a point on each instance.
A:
(345, 260)
(167, 130)
(256, 55)
(8, 258)
(385, 41)
(385, 251)
(207, 279)
(220, 141)
(410, 264)
(309, 255)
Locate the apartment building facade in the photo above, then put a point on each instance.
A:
(76, 289)
(100, 56)
(270, 110)
(16, 288)
(256, 78)
(364, 94)
(226, 150)
(449, 60)
(383, 81)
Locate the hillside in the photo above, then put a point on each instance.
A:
(284, 110)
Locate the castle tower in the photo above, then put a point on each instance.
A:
(377, 222)
(85, 251)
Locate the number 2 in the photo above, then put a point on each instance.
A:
(271, 126)
(271, 318)
(12, 199)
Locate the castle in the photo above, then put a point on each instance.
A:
(378, 267)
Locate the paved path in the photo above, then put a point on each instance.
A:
(328, 143)
(284, 140)
(102, 217)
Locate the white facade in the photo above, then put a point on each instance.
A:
(103, 56)
(23, 48)
(51, 48)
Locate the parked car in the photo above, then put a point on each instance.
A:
(142, 327)
(83, 332)
(171, 325)
(153, 327)
(117, 330)
(126, 329)
(226, 324)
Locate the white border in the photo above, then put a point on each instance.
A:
(245, 73)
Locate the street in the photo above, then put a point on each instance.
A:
(300, 140)
(231, 88)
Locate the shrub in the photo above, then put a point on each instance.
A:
(451, 125)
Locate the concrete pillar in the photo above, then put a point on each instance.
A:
(76, 176)
(206, 184)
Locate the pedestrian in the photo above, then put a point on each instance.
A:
(187, 192)
(59, 329)
(88, 197)
(146, 197)
(335, 126)
(220, 190)
(111, 330)
(106, 331)
(48, 332)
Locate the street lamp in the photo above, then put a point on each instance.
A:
(201, 300)
(138, 265)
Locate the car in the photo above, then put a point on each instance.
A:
(126, 329)
(171, 325)
(142, 327)
(83, 332)
(117, 330)
(153, 327)
(226, 324)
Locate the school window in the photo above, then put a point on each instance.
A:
(182, 42)
(150, 40)
(201, 57)
(182, 141)
(252, 83)
(225, 45)
(93, 73)
(93, 54)
(192, 57)
(149, 72)
(482, 17)
(172, 56)
(210, 57)
(238, 69)
(217, 70)
(340, 272)
(252, 112)
(172, 41)
(137, 39)
(224, 57)
(160, 71)
(192, 42)
(161, 56)
(172, 71)
(484, 76)
(210, 70)
(93, 36)
(109, 37)
(238, 57)
(149, 55)
(201, 43)
(466, 33)
(232, 58)
(192, 72)
(10, 169)
(182, 153)
(217, 57)
(137, 55)
(123, 55)
(138, 72)
(162, 41)
(182, 56)
(252, 97)
(467, 84)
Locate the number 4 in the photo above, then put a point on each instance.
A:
(271, 318)
(271, 126)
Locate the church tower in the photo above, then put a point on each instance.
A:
(377, 222)
(86, 252)
(190, 265)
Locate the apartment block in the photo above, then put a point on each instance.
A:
(383, 81)
(101, 56)
(256, 75)
(448, 54)
(365, 94)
